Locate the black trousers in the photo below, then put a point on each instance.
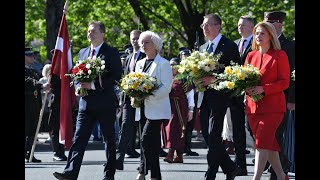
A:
(150, 146)
(127, 129)
(217, 155)
(239, 132)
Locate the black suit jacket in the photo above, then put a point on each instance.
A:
(126, 70)
(221, 99)
(128, 59)
(246, 51)
(289, 47)
(103, 97)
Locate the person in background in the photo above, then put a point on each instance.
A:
(182, 105)
(32, 92)
(99, 105)
(129, 126)
(37, 64)
(266, 115)
(185, 52)
(276, 18)
(245, 27)
(156, 108)
(214, 104)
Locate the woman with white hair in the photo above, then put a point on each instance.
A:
(154, 109)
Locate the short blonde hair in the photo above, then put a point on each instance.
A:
(155, 38)
(46, 70)
(275, 43)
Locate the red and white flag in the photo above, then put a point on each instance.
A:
(61, 65)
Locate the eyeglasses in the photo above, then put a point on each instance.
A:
(272, 22)
(207, 24)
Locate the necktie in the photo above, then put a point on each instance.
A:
(241, 45)
(132, 62)
(92, 53)
(210, 48)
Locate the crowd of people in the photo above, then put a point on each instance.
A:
(167, 118)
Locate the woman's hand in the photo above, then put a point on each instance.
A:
(254, 90)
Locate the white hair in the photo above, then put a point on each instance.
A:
(155, 38)
(46, 70)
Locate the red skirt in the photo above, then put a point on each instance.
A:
(264, 127)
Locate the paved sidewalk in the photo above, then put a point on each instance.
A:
(193, 168)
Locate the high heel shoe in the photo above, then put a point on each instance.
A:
(141, 177)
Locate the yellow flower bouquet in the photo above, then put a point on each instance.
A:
(197, 65)
(237, 78)
(138, 86)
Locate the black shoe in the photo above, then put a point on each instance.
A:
(34, 160)
(63, 176)
(190, 153)
(108, 178)
(59, 157)
(231, 175)
(119, 165)
(247, 151)
(162, 153)
(242, 172)
(132, 155)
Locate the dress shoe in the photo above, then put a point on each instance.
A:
(247, 151)
(63, 176)
(60, 157)
(34, 160)
(242, 172)
(119, 165)
(162, 153)
(178, 159)
(141, 177)
(132, 155)
(108, 178)
(231, 175)
(190, 153)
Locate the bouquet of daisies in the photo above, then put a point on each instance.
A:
(138, 86)
(86, 71)
(237, 78)
(197, 65)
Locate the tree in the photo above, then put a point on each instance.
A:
(176, 21)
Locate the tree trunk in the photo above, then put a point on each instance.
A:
(53, 15)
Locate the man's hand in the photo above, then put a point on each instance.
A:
(85, 85)
(205, 81)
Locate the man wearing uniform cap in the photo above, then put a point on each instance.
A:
(32, 102)
(276, 18)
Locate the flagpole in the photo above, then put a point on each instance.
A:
(43, 104)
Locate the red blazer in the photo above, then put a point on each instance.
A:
(275, 78)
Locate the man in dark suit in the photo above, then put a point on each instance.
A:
(129, 125)
(245, 29)
(276, 18)
(213, 104)
(99, 105)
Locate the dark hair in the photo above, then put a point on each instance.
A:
(215, 17)
(248, 18)
(100, 24)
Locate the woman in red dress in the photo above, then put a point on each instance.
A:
(182, 105)
(266, 114)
